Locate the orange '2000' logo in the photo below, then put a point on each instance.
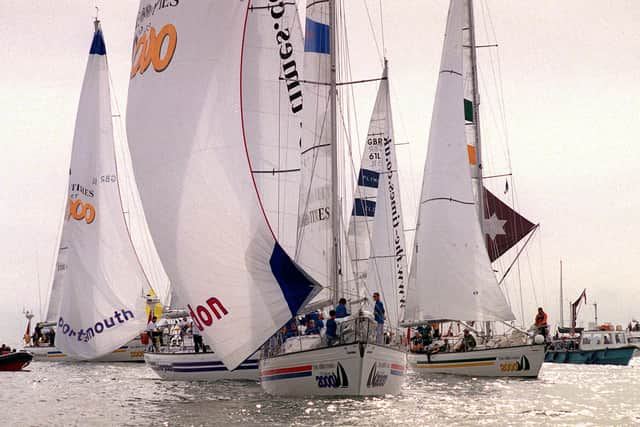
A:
(79, 210)
(148, 50)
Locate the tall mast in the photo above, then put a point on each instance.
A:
(335, 204)
(476, 122)
(476, 114)
(561, 299)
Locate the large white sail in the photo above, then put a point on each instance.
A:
(453, 275)
(213, 123)
(98, 272)
(376, 231)
(315, 236)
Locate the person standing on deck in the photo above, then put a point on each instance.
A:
(197, 339)
(332, 329)
(541, 322)
(379, 315)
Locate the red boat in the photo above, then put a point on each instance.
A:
(14, 361)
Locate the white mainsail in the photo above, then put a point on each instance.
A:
(213, 123)
(98, 274)
(452, 274)
(376, 231)
(315, 235)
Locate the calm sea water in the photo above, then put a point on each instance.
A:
(55, 394)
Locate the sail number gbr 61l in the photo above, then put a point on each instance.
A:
(154, 48)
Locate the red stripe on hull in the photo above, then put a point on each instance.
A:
(286, 370)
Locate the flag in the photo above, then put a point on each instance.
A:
(503, 226)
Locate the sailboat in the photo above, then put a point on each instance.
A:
(359, 363)
(214, 125)
(451, 275)
(97, 303)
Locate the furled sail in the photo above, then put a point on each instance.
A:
(503, 227)
(376, 231)
(453, 275)
(213, 121)
(314, 223)
(98, 274)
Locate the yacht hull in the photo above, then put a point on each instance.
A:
(133, 351)
(189, 366)
(358, 369)
(607, 356)
(522, 361)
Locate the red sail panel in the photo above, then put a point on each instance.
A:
(503, 226)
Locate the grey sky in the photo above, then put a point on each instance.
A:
(572, 104)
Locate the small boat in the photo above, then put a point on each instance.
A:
(590, 347)
(14, 361)
(605, 346)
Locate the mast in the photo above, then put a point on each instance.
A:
(476, 121)
(561, 299)
(476, 114)
(335, 204)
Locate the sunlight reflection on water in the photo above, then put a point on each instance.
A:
(125, 394)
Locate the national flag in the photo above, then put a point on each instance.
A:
(503, 226)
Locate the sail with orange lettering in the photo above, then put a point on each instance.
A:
(214, 123)
(99, 283)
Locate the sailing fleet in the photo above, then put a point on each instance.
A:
(238, 163)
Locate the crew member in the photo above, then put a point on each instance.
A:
(541, 322)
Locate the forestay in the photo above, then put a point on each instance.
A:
(213, 120)
(452, 275)
(376, 232)
(98, 275)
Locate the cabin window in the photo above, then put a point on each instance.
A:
(606, 339)
(596, 340)
(586, 339)
(618, 339)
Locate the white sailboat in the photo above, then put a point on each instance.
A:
(213, 122)
(357, 364)
(97, 297)
(451, 277)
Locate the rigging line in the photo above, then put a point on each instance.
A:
(384, 49)
(518, 254)
(450, 199)
(375, 39)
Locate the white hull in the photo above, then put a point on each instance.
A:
(519, 361)
(133, 351)
(189, 366)
(342, 370)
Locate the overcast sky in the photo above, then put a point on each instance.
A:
(570, 98)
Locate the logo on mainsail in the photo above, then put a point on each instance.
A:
(149, 48)
(338, 379)
(286, 51)
(80, 210)
(202, 315)
(375, 378)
